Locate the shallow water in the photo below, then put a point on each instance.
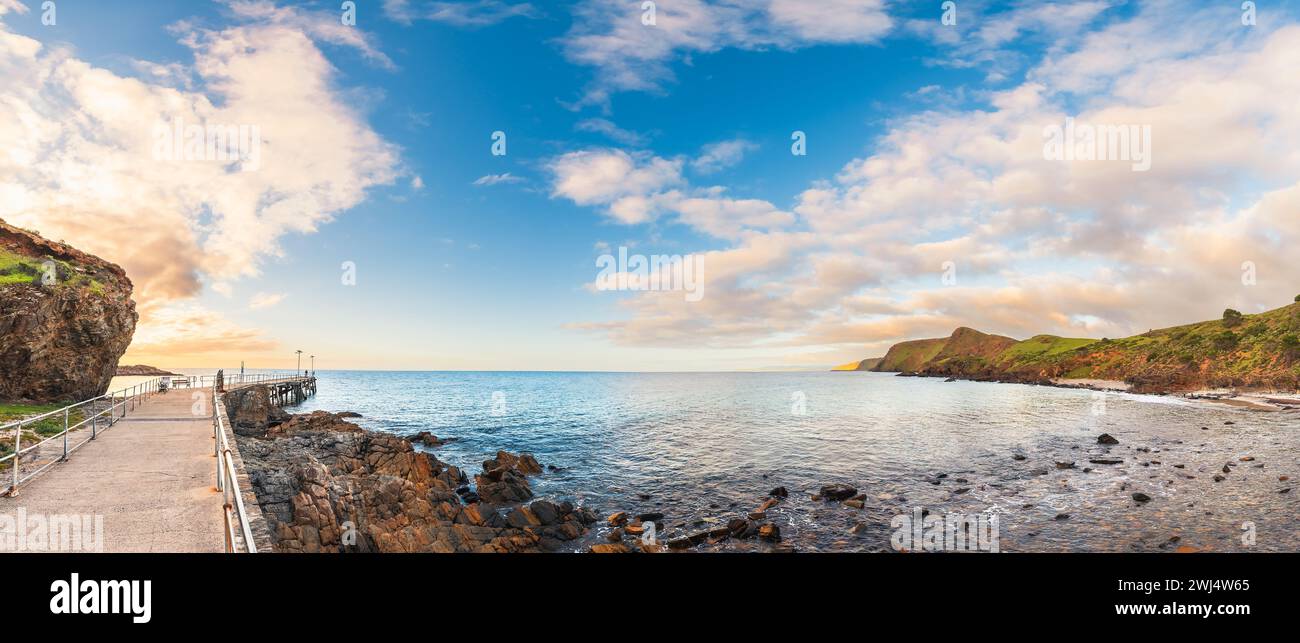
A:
(708, 447)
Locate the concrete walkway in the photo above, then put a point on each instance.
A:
(151, 477)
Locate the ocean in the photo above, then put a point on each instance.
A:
(701, 448)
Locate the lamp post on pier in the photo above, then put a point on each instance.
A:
(313, 366)
(299, 369)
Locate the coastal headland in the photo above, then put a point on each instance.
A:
(1237, 353)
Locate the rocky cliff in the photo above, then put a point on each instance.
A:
(326, 485)
(1260, 351)
(143, 371)
(66, 317)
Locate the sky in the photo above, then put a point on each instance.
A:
(441, 185)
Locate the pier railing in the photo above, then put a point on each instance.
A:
(246, 379)
(239, 532)
(81, 422)
(232, 498)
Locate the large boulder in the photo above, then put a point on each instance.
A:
(251, 411)
(66, 317)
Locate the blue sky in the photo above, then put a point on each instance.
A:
(922, 143)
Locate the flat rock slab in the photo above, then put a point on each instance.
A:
(152, 477)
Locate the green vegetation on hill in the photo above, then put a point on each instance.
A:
(911, 356)
(1040, 347)
(17, 269)
(1237, 350)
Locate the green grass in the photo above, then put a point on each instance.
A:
(1042, 346)
(44, 428)
(912, 355)
(18, 269)
(15, 269)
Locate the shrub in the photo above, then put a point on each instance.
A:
(1231, 317)
(1297, 298)
(1290, 347)
(1225, 340)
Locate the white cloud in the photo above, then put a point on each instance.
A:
(471, 13)
(610, 130)
(631, 56)
(497, 179)
(981, 34)
(721, 155)
(15, 6)
(831, 21)
(320, 25)
(638, 187)
(265, 300)
(79, 161)
(622, 181)
(1074, 248)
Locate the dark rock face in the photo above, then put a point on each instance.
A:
(252, 412)
(327, 485)
(66, 317)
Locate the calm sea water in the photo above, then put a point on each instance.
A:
(701, 448)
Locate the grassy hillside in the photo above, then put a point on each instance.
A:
(1242, 351)
(863, 365)
(911, 356)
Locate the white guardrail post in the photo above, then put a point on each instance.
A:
(18, 449)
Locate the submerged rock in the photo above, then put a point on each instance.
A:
(837, 492)
(428, 439)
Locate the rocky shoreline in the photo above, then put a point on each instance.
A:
(142, 370)
(325, 484)
(1255, 399)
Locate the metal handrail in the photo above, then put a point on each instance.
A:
(130, 398)
(127, 400)
(227, 482)
(248, 379)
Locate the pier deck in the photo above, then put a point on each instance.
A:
(151, 476)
